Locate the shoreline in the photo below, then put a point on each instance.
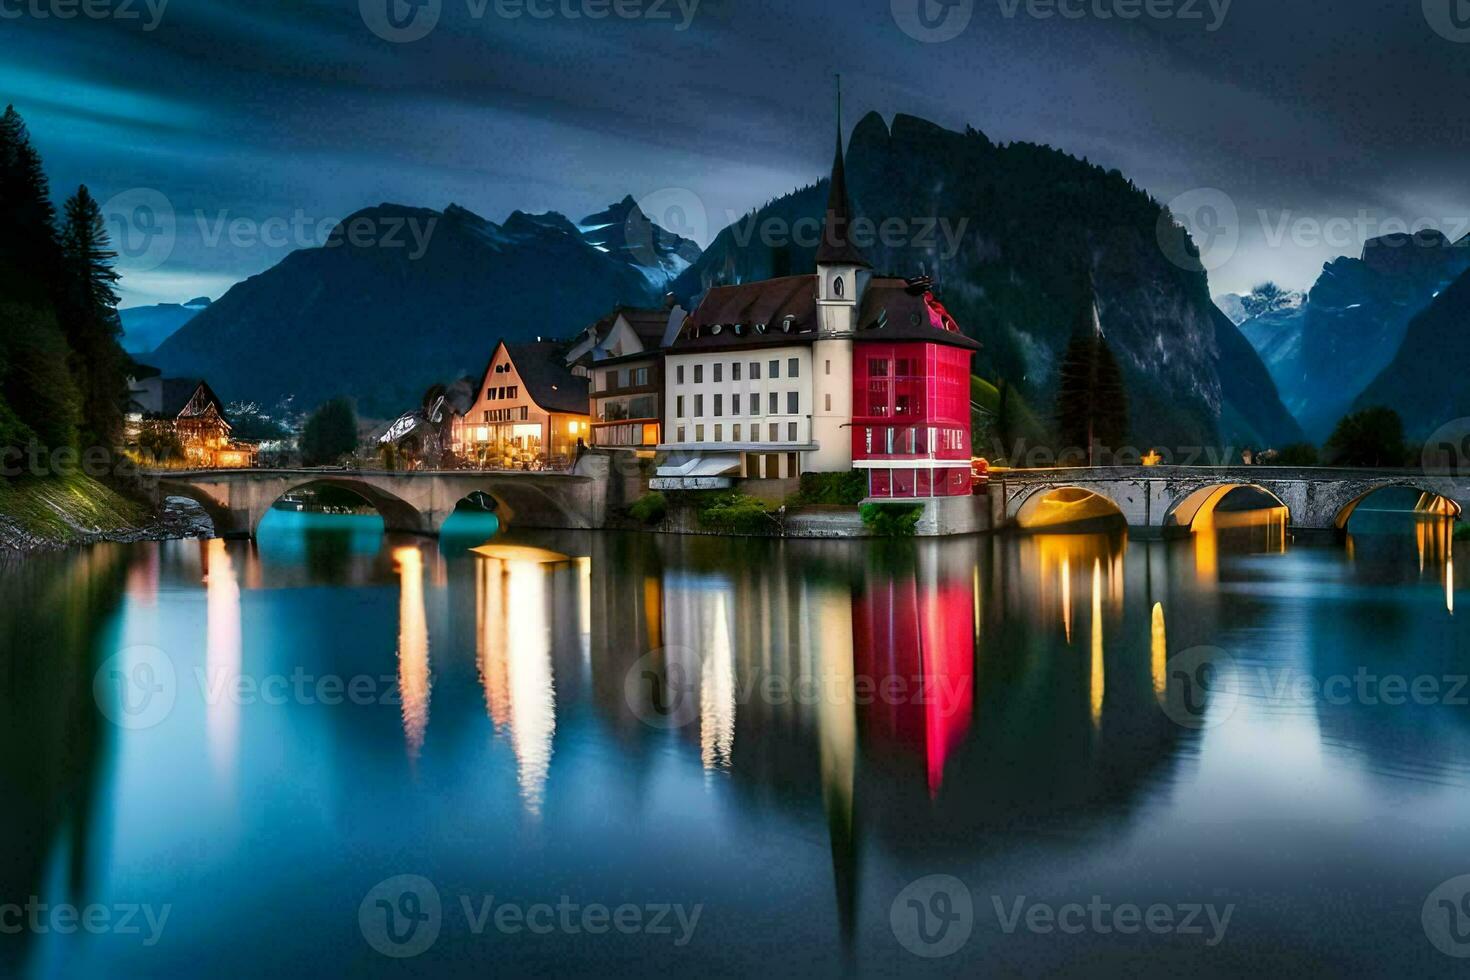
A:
(169, 523)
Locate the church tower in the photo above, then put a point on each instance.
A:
(842, 277)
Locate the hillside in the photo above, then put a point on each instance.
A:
(381, 323)
(1425, 382)
(1010, 234)
(145, 327)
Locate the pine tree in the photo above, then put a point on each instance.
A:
(1092, 407)
(87, 303)
(29, 251)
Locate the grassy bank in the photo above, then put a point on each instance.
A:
(60, 511)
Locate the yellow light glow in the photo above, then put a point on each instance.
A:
(413, 648)
(222, 655)
(1160, 652)
(1097, 680)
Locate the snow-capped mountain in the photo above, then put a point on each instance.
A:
(626, 233)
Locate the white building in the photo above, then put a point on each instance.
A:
(758, 382)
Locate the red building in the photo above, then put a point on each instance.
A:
(911, 395)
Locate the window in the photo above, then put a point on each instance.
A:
(640, 376)
(489, 393)
(878, 367)
(838, 288)
(791, 431)
(719, 433)
(679, 374)
(755, 432)
(718, 368)
(867, 440)
(774, 430)
(735, 371)
(755, 370)
(680, 436)
(698, 373)
(719, 404)
(525, 412)
(699, 433)
(699, 406)
(735, 404)
(755, 403)
(772, 406)
(736, 436)
(828, 365)
(512, 391)
(793, 367)
(793, 403)
(775, 370)
(678, 406)
(827, 403)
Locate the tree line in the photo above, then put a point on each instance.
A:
(63, 372)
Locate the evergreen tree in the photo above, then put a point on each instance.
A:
(1369, 437)
(87, 303)
(36, 383)
(330, 433)
(29, 252)
(1092, 408)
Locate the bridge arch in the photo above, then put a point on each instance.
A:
(1186, 508)
(1345, 510)
(397, 513)
(1067, 504)
(227, 521)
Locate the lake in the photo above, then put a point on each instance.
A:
(337, 751)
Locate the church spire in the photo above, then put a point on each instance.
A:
(837, 247)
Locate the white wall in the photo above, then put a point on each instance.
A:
(747, 388)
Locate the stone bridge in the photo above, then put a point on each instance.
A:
(416, 502)
(1161, 499)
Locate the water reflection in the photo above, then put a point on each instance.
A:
(413, 648)
(854, 715)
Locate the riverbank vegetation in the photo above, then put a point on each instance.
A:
(63, 510)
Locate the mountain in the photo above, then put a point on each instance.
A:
(381, 323)
(1325, 352)
(1425, 381)
(145, 327)
(1240, 307)
(1011, 235)
(625, 232)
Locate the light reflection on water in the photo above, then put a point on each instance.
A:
(858, 715)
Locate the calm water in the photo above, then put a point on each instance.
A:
(741, 754)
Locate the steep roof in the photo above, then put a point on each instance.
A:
(837, 247)
(753, 314)
(176, 393)
(895, 309)
(546, 377)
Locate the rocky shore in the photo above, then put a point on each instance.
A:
(52, 514)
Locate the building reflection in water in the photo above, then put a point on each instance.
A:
(222, 657)
(515, 660)
(913, 639)
(413, 648)
(1159, 652)
(1096, 680)
(697, 609)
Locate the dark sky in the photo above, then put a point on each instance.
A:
(285, 115)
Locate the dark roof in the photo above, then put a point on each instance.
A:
(647, 324)
(895, 310)
(837, 247)
(176, 393)
(740, 312)
(546, 377)
(139, 370)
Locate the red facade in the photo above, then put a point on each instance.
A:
(911, 418)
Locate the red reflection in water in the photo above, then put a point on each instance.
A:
(913, 640)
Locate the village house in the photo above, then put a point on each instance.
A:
(820, 373)
(529, 410)
(621, 355)
(188, 410)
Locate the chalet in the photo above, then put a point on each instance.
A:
(528, 410)
(189, 410)
(820, 373)
(622, 357)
